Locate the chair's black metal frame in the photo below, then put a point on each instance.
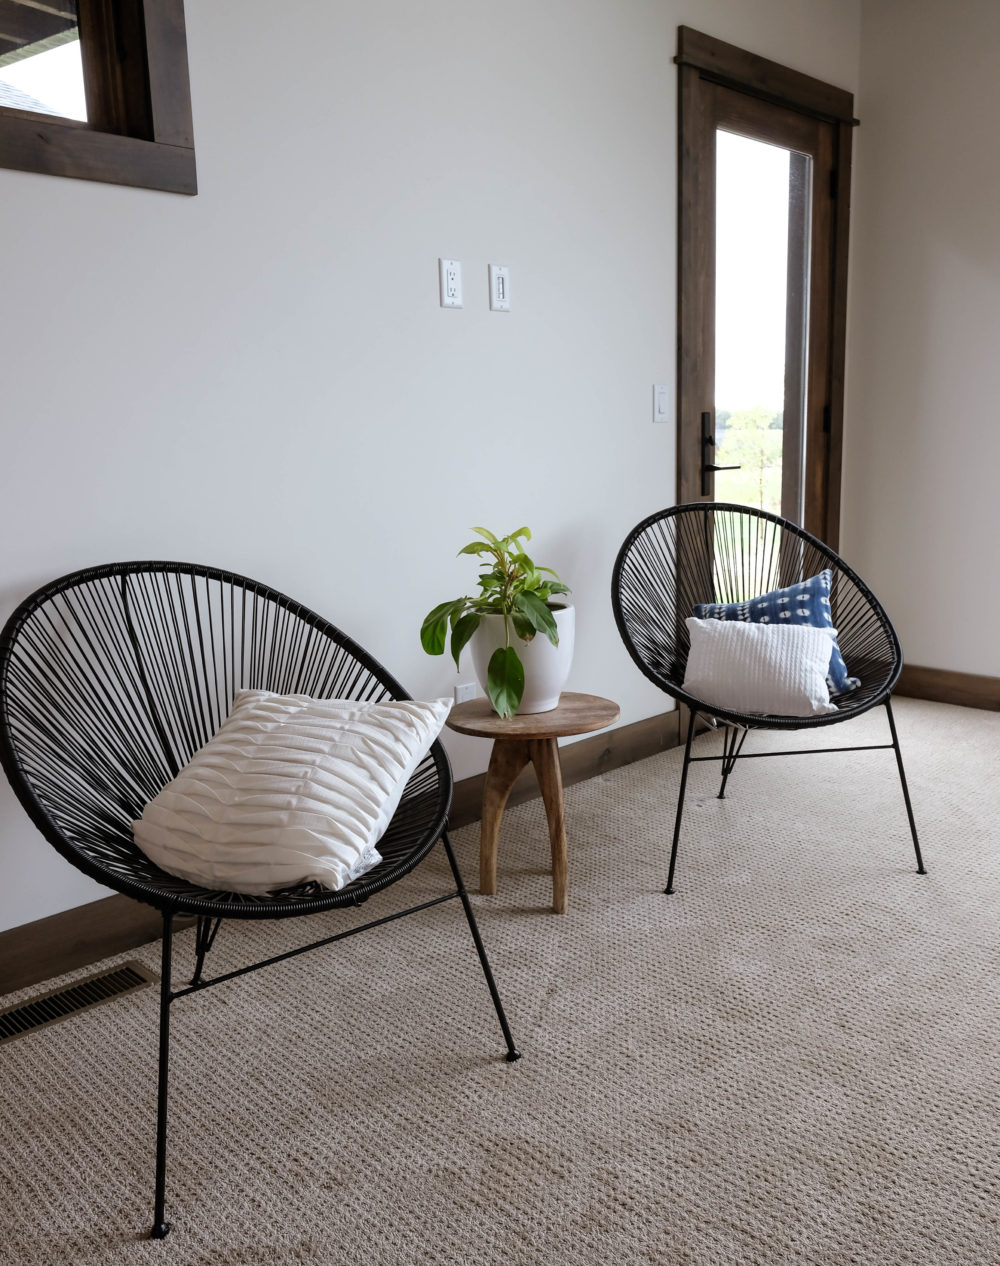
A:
(112, 677)
(716, 552)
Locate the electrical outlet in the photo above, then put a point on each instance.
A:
(450, 276)
(466, 690)
(499, 288)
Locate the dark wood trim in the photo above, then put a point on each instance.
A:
(140, 131)
(60, 149)
(76, 938)
(736, 68)
(169, 85)
(838, 319)
(942, 685)
(695, 276)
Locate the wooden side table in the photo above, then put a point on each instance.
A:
(520, 740)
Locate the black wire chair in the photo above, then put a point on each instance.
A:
(712, 552)
(111, 678)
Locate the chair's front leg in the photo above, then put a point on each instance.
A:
(906, 790)
(160, 1225)
(680, 802)
(512, 1052)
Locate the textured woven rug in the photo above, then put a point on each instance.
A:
(793, 1059)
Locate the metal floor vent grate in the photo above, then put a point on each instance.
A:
(50, 1008)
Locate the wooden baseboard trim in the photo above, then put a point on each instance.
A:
(941, 685)
(76, 938)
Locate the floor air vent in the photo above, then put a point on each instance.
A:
(50, 1008)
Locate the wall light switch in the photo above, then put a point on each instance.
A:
(450, 276)
(661, 402)
(499, 288)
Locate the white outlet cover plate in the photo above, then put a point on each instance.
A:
(450, 279)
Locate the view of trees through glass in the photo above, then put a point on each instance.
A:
(752, 440)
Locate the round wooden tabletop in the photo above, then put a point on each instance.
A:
(576, 714)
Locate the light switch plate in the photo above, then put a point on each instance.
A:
(661, 402)
(499, 288)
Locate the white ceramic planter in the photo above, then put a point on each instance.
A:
(546, 667)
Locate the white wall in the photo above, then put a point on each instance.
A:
(922, 447)
(261, 377)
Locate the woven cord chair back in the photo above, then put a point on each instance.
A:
(720, 553)
(112, 678)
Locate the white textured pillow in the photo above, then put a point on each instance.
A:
(290, 789)
(772, 669)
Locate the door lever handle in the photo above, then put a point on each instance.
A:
(708, 468)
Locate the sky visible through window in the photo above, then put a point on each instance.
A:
(54, 78)
(752, 201)
(751, 269)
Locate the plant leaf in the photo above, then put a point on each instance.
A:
(434, 629)
(476, 547)
(505, 681)
(557, 586)
(539, 615)
(461, 631)
(485, 532)
(522, 626)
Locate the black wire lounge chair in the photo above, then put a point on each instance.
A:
(111, 679)
(711, 552)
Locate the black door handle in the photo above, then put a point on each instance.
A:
(708, 467)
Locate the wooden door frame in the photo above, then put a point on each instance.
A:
(702, 58)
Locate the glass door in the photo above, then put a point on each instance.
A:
(762, 278)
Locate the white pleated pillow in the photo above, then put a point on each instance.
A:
(770, 669)
(290, 789)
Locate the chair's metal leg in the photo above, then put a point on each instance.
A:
(160, 1226)
(512, 1052)
(732, 744)
(906, 790)
(680, 803)
(204, 939)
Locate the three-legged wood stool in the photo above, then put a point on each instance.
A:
(529, 738)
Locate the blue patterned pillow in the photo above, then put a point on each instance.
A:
(805, 603)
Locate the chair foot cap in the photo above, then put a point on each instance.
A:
(669, 892)
(159, 1231)
(513, 1056)
(921, 870)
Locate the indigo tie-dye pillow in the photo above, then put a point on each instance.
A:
(805, 603)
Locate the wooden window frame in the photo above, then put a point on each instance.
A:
(702, 57)
(139, 130)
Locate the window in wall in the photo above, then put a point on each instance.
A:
(98, 90)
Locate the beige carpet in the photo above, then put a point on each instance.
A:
(794, 1059)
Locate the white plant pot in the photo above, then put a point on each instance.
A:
(546, 667)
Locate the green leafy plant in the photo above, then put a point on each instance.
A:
(509, 585)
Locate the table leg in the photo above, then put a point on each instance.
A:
(545, 758)
(508, 758)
